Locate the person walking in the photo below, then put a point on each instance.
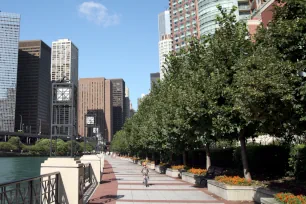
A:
(145, 173)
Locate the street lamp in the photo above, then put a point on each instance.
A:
(21, 126)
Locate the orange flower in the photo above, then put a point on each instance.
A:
(197, 171)
(178, 167)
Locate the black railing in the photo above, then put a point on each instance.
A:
(87, 176)
(42, 189)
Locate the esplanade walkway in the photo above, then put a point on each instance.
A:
(122, 184)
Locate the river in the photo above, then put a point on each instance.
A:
(16, 168)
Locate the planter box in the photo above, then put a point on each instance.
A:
(135, 161)
(151, 166)
(192, 178)
(269, 201)
(263, 193)
(139, 163)
(172, 173)
(228, 192)
(160, 169)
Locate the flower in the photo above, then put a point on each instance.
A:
(197, 171)
(289, 198)
(178, 167)
(234, 180)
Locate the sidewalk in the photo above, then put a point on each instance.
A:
(123, 185)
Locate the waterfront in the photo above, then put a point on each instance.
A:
(16, 168)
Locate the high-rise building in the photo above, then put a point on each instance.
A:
(95, 96)
(9, 39)
(208, 12)
(65, 62)
(64, 77)
(127, 102)
(154, 77)
(244, 10)
(33, 87)
(184, 21)
(164, 48)
(164, 27)
(118, 104)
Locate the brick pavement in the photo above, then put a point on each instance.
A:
(122, 184)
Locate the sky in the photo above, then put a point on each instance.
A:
(115, 38)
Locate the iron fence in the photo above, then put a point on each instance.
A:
(42, 189)
(87, 176)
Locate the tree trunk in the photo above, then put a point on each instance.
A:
(246, 171)
(185, 158)
(208, 161)
(170, 157)
(153, 156)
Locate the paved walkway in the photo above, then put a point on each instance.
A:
(123, 185)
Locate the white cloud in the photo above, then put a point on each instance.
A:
(98, 13)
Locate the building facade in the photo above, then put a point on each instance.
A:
(208, 12)
(154, 77)
(95, 96)
(118, 104)
(184, 22)
(9, 39)
(164, 27)
(33, 87)
(65, 62)
(164, 48)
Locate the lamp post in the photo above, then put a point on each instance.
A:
(21, 126)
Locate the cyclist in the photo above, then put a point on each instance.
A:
(145, 173)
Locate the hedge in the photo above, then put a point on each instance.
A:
(297, 161)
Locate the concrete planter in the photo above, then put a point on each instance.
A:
(135, 161)
(228, 192)
(160, 169)
(269, 201)
(139, 162)
(192, 178)
(151, 166)
(261, 193)
(172, 173)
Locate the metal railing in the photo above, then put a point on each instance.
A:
(87, 176)
(42, 189)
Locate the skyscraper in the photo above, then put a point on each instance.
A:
(164, 48)
(9, 38)
(154, 77)
(95, 96)
(184, 21)
(65, 63)
(33, 87)
(164, 27)
(118, 104)
(208, 12)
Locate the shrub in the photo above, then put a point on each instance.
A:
(288, 198)
(15, 141)
(178, 167)
(201, 172)
(236, 181)
(297, 161)
(7, 147)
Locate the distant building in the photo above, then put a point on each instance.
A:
(262, 12)
(33, 87)
(118, 104)
(127, 102)
(164, 27)
(184, 22)
(65, 62)
(164, 48)
(95, 96)
(208, 13)
(154, 77)
(9, 39)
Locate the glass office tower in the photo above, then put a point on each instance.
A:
(9, 39)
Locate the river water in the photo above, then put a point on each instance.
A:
(16, 168)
